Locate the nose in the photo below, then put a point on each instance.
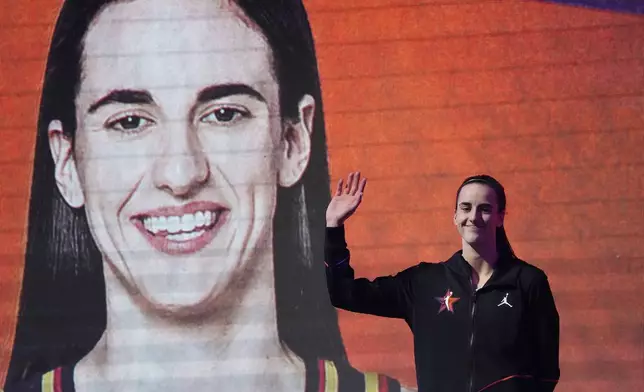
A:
(475, 216)
(182, 167)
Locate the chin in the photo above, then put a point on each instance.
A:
(168, 304)
(471, 238)
(180, 311)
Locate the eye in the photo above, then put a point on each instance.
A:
(130, 123)
(225, 115)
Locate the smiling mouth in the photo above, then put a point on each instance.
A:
(176, 232)
(181, 228)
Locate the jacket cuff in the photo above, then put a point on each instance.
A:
(335, 249)
(335, 237)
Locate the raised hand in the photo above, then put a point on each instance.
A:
(346, 199)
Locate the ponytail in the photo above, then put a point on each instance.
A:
(503, 247)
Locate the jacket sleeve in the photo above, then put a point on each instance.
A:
(546, 343)
(387, 296)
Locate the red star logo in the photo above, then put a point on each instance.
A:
(447, 301)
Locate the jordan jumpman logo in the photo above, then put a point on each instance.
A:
(505, 301)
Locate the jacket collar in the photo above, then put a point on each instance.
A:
(505, 273)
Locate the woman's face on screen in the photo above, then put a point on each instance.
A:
(180, 147)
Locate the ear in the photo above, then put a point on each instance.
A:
(65, 171)
(296, 143)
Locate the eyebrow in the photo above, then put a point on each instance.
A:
(210, 93)
(468, 204)
(122, 96)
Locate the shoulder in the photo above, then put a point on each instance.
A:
(533, 281)
(411, 271)
(421, 270)
(529, 274)
(430, 267)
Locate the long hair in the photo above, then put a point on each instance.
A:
(503, 246)
(62, 311)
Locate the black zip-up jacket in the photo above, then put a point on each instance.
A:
(503, 337)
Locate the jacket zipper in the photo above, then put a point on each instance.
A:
(471, 386)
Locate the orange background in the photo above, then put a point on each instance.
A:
(419, 95)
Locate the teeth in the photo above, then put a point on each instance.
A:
(200, 219)
(184, 236)
(188, 222)
(174, 224)
(179, 227)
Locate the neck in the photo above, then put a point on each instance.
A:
(483, 258)
(236, 345)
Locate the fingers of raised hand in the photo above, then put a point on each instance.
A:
(353, 185)
(355, 180)
(347, 185)
(363, 184)
(338, 189)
